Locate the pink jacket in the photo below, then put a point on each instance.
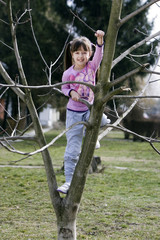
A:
(87, 74)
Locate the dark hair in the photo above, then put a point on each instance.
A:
(73, 46)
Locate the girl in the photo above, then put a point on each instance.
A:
(78, 68)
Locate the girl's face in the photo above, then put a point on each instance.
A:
(80, 58)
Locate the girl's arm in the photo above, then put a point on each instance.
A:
(66, 87)
(67, 90)
(97, 58)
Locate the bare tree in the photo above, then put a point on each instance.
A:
(66, 208)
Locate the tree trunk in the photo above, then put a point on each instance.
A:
(67, 230)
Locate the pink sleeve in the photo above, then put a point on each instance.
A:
(66, 87)
(97, 58)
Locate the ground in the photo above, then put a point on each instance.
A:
(121, 202)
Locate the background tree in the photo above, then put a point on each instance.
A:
(51, 34)
(66, 208)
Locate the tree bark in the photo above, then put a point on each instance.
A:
(67, 230)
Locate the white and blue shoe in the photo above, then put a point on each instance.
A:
(97, 145)
(64, 188)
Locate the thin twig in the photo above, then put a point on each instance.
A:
(35, 39)
(155, 149)
(14, 138)
(12, 150)
(4, 3)
(82, 21)
(131, 96)
(4, 21)
(18, 20)
(153, 81)
(143, 55)
(6, 45)
(4, 92)
(52, 64)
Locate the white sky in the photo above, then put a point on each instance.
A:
(154, 14)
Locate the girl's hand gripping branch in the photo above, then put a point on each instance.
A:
(99, 34)
(74, 95)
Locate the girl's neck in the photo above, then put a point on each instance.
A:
(78, 68)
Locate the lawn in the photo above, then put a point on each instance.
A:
(120, 202)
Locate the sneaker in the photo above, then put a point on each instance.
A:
(105, 120)
(97, 144)
(64, 188)
(108, 121)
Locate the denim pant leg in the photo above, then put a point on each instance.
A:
(104, 120)
(74, 142)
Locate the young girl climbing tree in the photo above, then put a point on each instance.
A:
(78, 68)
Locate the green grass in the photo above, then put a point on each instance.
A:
(122, 202)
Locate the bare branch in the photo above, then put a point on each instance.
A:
(3, 131)
(150, 71)
(14, 138)
(129, 74)
(143, 55)
(49, 75)
(44, 147)
(147, 139)
(155, 149)
(4, 92)
(18, 20)
(15, 85)
(114, 92)
(70, 31)
(52, 64)
(11, 82)
(11, 149)
(114, 103)
(15, 45)
(133, 14)
(144, 33)
(4, 3)
(104, 133)
(4, 21)
(82, 21)
(135, 46)
(26, 129)
(85, 102)
(6, 45)
(156, 80)
(35, 39)
(131, 96)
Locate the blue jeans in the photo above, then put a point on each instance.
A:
(74, 140)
